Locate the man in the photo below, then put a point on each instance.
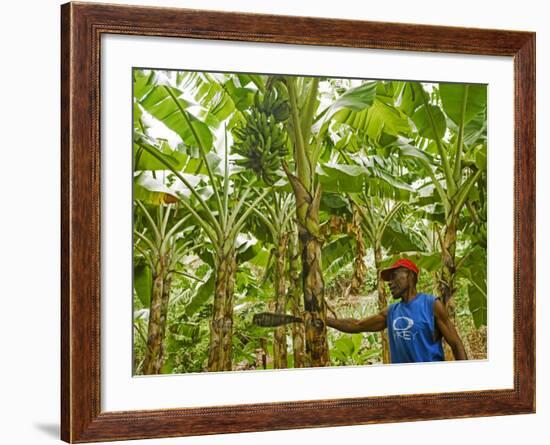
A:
(415, 324)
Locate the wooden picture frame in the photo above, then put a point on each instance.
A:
(82, 26)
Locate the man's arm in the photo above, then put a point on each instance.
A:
(350, 325)
(448, 331)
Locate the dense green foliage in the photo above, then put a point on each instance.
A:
(400, 171)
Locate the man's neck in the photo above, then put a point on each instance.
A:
(409, 295)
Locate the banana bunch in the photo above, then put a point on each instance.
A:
(261, 140)
(272, 105)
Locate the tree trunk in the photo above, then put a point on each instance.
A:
(359, 268)
(314, 302)
(279, 336)
(315, 315)
(382, 301)
(221, 326)
(294, 296)
(435, 283)
(163, 322)
(448, 271)
(154, 356)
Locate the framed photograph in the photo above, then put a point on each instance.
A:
(275, 222)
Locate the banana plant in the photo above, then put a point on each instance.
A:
(157, 244)
(451, 123)
(220, 216)
(276, 214)
(295, 293)
(262, 141)
(282, 118)
(309, 128)
(307, 194)
(359, 266)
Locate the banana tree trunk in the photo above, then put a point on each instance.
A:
(294, 297)
(221, 326)
(447, 278)
(279, 336)
(315, 315)
(154, 356)
(382, 300)
(314, 301)
(315, 310)
(359, 268)
(448, 271)
(163, 321)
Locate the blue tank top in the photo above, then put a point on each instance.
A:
(411, 331)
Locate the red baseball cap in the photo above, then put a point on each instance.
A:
(403, 262)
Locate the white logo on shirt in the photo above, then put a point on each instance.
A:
(402, 328)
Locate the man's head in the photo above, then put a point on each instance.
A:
(402, 277)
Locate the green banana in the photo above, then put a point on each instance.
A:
(260, 139)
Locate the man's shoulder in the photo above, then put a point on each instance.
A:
(429, 302)
(429, 297)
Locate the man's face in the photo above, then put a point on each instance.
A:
(399, 282)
